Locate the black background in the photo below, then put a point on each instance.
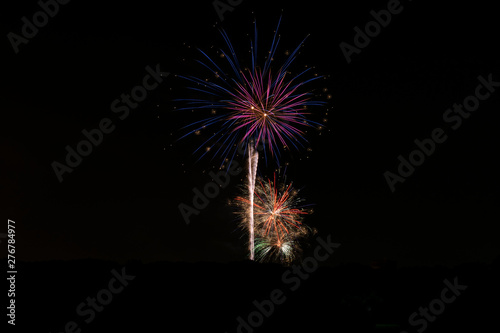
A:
(121, 203)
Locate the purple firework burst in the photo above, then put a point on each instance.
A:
(256, 104)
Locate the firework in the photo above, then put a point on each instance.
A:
(274, 250)
(253, 104)
(277, 220)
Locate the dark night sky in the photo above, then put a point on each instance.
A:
(121, 202)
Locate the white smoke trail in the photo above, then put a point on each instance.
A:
(253, 159)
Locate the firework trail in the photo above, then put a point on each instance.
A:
(256, 104)
(253, 159)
